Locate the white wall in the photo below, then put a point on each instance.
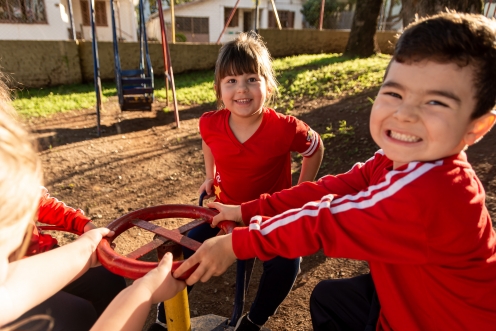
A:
(214, 10)
(58, 24)
(128, 22)
(489, 9)
(54, 29)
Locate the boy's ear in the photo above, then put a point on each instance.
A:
(479, 127)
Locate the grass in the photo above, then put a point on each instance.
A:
(300, 77)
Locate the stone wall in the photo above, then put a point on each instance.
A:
(45, 63)
(184, 57)
(40, 63)
(292, 42)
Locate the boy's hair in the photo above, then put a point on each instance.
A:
(245, 55)
(463, 39)
(20, 175)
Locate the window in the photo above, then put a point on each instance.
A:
(286, 18)
(235, 21)
(100, 13)
(22, 11)
(193, 25)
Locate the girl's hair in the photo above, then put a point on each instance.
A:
(245, 55)
(20, 175)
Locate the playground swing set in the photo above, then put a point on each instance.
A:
(135, 89)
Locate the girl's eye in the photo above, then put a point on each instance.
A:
(252, 79)
(232, 80)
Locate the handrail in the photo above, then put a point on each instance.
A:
(124, 32)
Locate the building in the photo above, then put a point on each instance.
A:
(204, 20)
(51, 20)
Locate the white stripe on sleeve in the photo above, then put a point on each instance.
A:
(312, 209)
(313, 145)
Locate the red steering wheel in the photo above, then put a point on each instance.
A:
(128, 266)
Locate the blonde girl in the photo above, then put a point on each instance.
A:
(21, 286)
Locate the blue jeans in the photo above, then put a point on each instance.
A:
(276, 282)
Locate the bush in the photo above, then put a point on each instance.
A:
(180, 37)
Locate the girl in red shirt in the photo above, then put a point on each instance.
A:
(247, 150)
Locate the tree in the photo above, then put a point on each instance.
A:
(311, 9)
(409, 8)
(362, 42)
(390, 18)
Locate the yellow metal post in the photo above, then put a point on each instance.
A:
(177, 312)
(177, 308)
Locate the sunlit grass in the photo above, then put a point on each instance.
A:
(301, 77)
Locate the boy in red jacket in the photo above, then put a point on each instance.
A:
(415, 211)
(79, 304)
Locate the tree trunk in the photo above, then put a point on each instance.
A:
(362, 41)
(430, 7)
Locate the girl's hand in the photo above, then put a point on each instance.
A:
(93, 238)
(215, 255)
(226, 213)
(207, 187)
(159, 281)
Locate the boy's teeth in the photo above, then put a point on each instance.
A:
(404, 137)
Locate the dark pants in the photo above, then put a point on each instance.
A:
(277, 279)
(345, 304)
(77, 306)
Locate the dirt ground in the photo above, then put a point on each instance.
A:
(142, 160)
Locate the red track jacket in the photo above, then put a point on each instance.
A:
(423, 228)
(54, 212)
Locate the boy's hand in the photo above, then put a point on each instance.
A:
(159, 281)
(207, 187)
(93, 237)
(215, 255)
(226, 213)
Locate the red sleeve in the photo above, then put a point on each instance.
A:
(351, 182)
(383, 223)
(55, 212)
(204, 123)
(355, 234)
(305, 141)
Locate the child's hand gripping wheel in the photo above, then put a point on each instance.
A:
(128, 266)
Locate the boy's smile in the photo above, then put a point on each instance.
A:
(422, 111)
(244, 95)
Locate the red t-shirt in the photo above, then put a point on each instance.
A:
(262, 164)
(54, 212)
(423, 228)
